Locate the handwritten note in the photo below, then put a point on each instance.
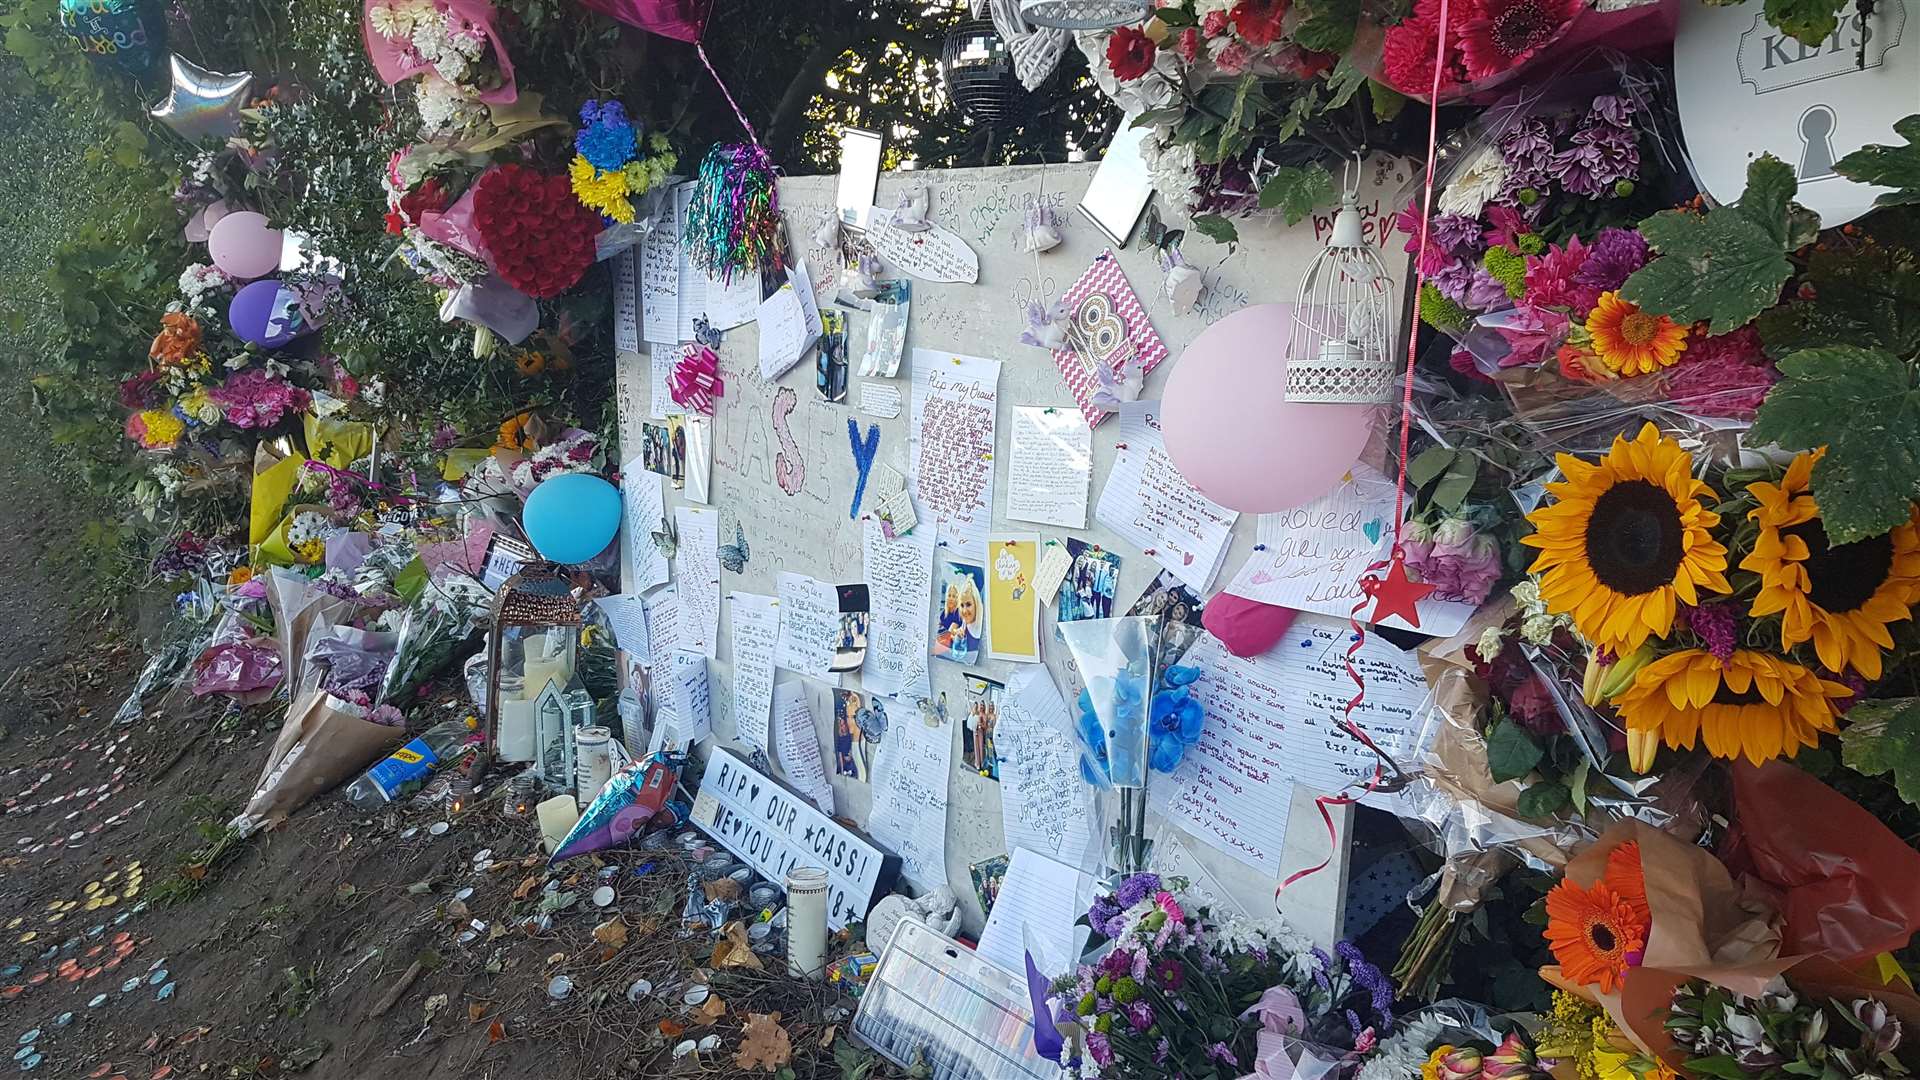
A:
(1050, 461)
(685, 715)
(950, 452)
(755, 626)
(660, 362)
(938, 254)
(809, 626)
(735, 303)
(1040, 899)
(797, 744)
(696, 565)
(1044, 804)
(899, 575)
(1013, 603)
(1055, 561)
(644, 512)
(783, 332)
(693, 280)
(1275, 720)
(1312, 556)
(663, 625)
(629, 394)
(627, 617)
(880, 399)
(1152, 506)
(626, 302)
(909, 815)
(660, 281)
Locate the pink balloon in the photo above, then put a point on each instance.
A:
(203, 221)
(244, 245)
(1231, 431)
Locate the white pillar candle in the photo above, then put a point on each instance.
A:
(806, 922)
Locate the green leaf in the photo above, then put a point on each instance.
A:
(1387, 102)
(1216, 228)
(1297, 191)
(1453, 487)
(1884, 737)
(1896, 167)
(1719, 1065)
(1861, 404)
(1343, 82)
(1725, 266)
(1511, 752)
(1155, 117)
(1428, 464)
(1542, 799)
(1328, 25)
(1808, 21)
(1577, 785)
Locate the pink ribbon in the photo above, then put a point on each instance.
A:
(696, 379)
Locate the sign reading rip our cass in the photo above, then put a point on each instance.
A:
(772, 830)
(1745, 88)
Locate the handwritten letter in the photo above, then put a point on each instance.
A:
(899, 575)
(1045, 805)
(809, 626)
(645, 513)
(798, 745)
(951, 452)
(755, 625)
(696, 563)
(1049, 462)
(909, 815)
(1148, 502)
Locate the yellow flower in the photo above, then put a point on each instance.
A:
(1757, 705)
(1625, 540)
(1431, 1069)
(604, 192)
(1840, 597)
(1629, 340)
(163, 429)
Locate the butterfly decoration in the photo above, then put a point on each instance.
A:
(734, 556)
(704, 333)
(873, 724)
(933, 711)
(1158, 234)
(666, 538)
(1047, 325)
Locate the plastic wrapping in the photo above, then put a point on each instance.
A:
(346, 658)
(1116, 658)
(430, 631)
(185, 637)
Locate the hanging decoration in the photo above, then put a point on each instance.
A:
(733, 225)
(1036, 50)
(1085, 14)
(111, 30)
(1342, 317)
(202, 104)
(977, 69)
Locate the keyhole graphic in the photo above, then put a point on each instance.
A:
(1816, 133)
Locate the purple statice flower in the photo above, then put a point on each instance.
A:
(1221, 1052)
(1612, 257)
(445, 435)
(1454, 279)
(1353, 1023)
(1322, 963)
(1368, 977)
(1135, 889)
(1140, 1016)
(1716, 625)
(1459, 234)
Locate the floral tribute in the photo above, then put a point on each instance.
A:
(537, 236)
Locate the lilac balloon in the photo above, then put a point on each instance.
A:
(1233, 434)
(268, 313)
(244, 245)
(201, 224)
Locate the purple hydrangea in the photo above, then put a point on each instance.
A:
(1135, 889)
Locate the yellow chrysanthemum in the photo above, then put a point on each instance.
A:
(602, 192)
(1625, 540)
(163, 429)
(1629, 340)
(1840, 597)
(1756, 705)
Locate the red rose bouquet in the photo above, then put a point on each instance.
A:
(537, 236)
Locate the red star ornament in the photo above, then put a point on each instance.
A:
(1395, 594)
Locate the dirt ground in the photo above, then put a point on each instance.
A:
(134, 945)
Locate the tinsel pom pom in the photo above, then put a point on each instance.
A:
(734, 223)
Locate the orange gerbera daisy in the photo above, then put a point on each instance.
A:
(1629, 340)
(1624, 876)
(179, 335)
(1594, 933)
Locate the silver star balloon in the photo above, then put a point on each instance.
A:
(203, 104)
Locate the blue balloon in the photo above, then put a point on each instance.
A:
(572, 517)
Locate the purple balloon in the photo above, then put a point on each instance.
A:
(268, 313)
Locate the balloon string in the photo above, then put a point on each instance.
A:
(1324, 803)
(728, 94)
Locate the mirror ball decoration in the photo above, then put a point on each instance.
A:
(977, 68)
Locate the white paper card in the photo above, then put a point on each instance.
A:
(783, 332)
(626, 301)
(809, 626)
(797, 743)
(660, 280)
(880, 399)
(899, 576)
(1152, 506)
(950, 452)
(938, 254)
(660, 362)
(754, 627)
(735, 303)
(1041, 899)
(1054, 564)
(685, 712)
(696, 566)
(1049, 463)
(693, 280)
(663, 625)
(643, 509)
(909, 815)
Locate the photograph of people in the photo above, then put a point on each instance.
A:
(963, 615)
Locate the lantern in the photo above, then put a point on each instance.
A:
(977, 68)
(536, 624)
(1085, 14)
(1340, 351)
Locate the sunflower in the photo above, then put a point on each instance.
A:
(1625, 540)
(1839, 596)
(1624, 876)
(1595, 934)
(1757, 705)
(1629, 340)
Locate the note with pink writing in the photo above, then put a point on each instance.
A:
(950, 447)
(1148, 502)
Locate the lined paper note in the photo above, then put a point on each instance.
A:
(909, 816)
(950, 456)
(1148, 502)
(733, 304)
(663, 624)
(685, 712)
(755, 624)
(899, 575)
(1274, 720)
(660, 362)
(696, 563)
(660, 280)
(643, 513)
(626, 615)
(809, 626)
(1049, 464)
(797, 744)
(1041, 899)
(626, 301)
(1045, 806)
(693, 280)
(783, 332)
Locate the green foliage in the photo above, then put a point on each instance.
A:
(1511, 752)
(1543, 799)
(1862, 405)
(1897, 167)
(1725, 266)
(1326, 25)
(1808, 21)
(1217, 228)
(1884, 737)
(1864, 293)
(1296, 191)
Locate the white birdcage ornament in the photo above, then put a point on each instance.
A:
(1085, 14)
(1341, 348)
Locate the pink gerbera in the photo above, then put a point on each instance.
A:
(1508, 32)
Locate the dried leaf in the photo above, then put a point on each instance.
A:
(434, 1005)
(194, 871)
(734, 950)
(496, 1031)
(457, 911)
(764, 1044)
(612, 934)
(712, 1009)
(672, 1028)
(555, 958)
(826, 1037)
(721, 889)
(476, 1011)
